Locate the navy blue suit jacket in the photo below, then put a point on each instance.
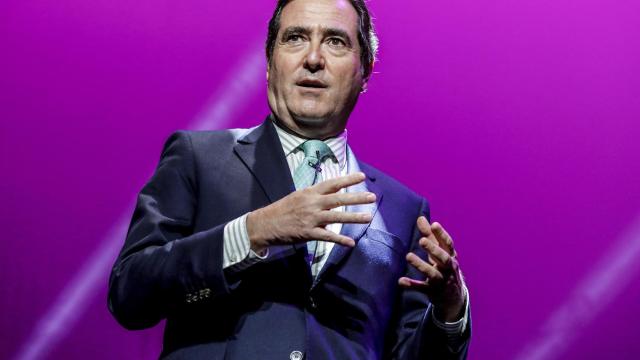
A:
(170, 266)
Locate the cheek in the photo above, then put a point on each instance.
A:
(281, 72)
(350, 73)
(350, 82)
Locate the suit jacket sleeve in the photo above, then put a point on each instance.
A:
(163, 265)
(416, 336)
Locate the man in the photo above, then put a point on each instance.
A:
(275, 242)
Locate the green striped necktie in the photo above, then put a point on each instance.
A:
(308, 174)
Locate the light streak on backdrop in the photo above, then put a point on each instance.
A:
(609, 277)
(243, 81)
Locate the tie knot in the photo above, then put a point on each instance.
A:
(316, 149)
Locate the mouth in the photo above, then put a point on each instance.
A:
(312, 84)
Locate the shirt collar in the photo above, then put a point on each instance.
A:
(337, 144)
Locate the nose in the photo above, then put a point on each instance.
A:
(314, 60)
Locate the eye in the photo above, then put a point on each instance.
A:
(336, 41)
(294, 38)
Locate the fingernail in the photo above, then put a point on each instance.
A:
(371, 197)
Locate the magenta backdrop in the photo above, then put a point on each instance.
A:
(519, 121)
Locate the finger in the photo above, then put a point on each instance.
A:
(458, 274)
(441, 257)
(332, 217)
(428, 259)
(444, 239)
(321, 234)
(424, 227)
(413, 284)
(422, 242)
(334, 185)
(332, 201)
(427, 269)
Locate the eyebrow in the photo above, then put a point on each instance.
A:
(326, 32)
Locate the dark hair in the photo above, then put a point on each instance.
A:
(366, 33)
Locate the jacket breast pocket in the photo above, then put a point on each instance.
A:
(382, 247)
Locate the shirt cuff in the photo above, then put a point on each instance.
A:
(237, 253)
(456, 328)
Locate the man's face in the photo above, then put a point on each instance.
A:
(315, 75)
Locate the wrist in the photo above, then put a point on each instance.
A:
(258, 241)
(450, 312)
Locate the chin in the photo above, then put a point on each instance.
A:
(310, 115)
(311, 120)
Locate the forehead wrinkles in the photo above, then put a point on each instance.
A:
(320, 15)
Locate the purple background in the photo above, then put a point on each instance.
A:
(517, 120)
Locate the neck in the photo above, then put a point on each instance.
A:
(303, 133)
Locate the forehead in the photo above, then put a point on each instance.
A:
(318, 14)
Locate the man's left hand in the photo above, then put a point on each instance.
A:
(443, 281)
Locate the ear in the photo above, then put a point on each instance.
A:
(363, 86)
(365, 81)
(371, 66)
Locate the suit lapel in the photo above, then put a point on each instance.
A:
(261, 152)
(354, 231)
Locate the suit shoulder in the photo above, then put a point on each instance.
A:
(206, 139)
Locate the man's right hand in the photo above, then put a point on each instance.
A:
(302, 215)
